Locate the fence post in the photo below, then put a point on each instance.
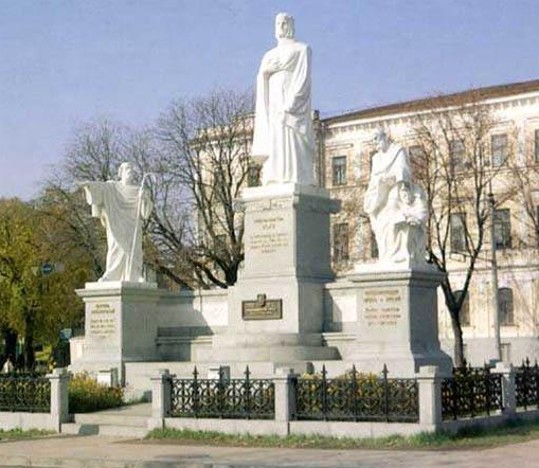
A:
(430, 397)
(507, 371)
(285, 395)
(161, 398)
(59, 397)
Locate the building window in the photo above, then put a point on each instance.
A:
(338, 168)
(457, 155)
(418, 159)
(536, 146)
(220, 245)
(464, 310)
(505, 306)
(505, 348)
(458, 232)
(253, 175)
(340, 242)
(502, 229)
(374, 246)
(499, 147)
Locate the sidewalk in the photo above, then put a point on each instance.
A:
(99, 451)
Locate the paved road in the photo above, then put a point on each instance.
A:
(100, 451)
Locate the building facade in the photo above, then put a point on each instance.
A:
(508, 158)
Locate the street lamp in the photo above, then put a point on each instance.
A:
(494, 272)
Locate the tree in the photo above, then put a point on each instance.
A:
(33, 303)
(198, 157)
(453, 162)
(205, 150)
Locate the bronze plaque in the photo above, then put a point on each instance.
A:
(262, 309)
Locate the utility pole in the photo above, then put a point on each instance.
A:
(494, 270)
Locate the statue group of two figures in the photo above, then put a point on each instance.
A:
(284, 143)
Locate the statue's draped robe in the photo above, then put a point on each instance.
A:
(393, 163)
(404, 241)
(283, 129)
(118, 207)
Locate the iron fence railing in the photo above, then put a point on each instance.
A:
(357, 397)
(471, 392)
(223, 398)
(25, 393)
(527, 385)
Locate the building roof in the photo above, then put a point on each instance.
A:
(477, 94)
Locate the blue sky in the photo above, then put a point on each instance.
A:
(65, 62)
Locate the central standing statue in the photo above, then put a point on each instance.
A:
(283, 135)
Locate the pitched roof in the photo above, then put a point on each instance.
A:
(476, 94)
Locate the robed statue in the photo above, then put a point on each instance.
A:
(121, 206)
(283, 134)
(397, 207)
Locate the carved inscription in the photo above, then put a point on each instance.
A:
(102, 320)
(262, 309)
(269, 235)
(382, 307)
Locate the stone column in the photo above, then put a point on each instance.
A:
(59, 380)
(285, 395)
(430, 397)
(508, 386)
(161, 398)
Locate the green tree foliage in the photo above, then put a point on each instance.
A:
(34, 302)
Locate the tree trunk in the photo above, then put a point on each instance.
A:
(459, 343)
(10, 342)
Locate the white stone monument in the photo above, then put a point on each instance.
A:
(121, 206)
(397, 299)
(283, 136)
(276, 307)
(120, 307)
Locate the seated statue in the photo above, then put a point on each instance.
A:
(121, 206)
(397, 208)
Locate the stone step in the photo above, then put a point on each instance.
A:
(105, 430)
(115, 419)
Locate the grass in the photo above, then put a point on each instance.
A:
(19, 434)
(515, 431)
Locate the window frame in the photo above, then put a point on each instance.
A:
(502, 229)
(502, 149)
(462, 216)
(507, 314)
(339, 172)
(341, 242)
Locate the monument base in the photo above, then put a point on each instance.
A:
(398, 321)
(120, 326)
(276, 307)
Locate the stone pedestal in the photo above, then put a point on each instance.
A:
(276, 307)
(120, 326)
(398, 321)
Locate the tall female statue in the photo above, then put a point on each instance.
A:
(121, 206)
(283, 135)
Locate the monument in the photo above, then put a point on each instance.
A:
(286, 307)
(276, 307)
(119, 307)
(397, 299)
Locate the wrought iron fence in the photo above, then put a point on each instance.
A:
(527, 385)
(223, 398)
(25, 392)
(357, 397)
(471, 392)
